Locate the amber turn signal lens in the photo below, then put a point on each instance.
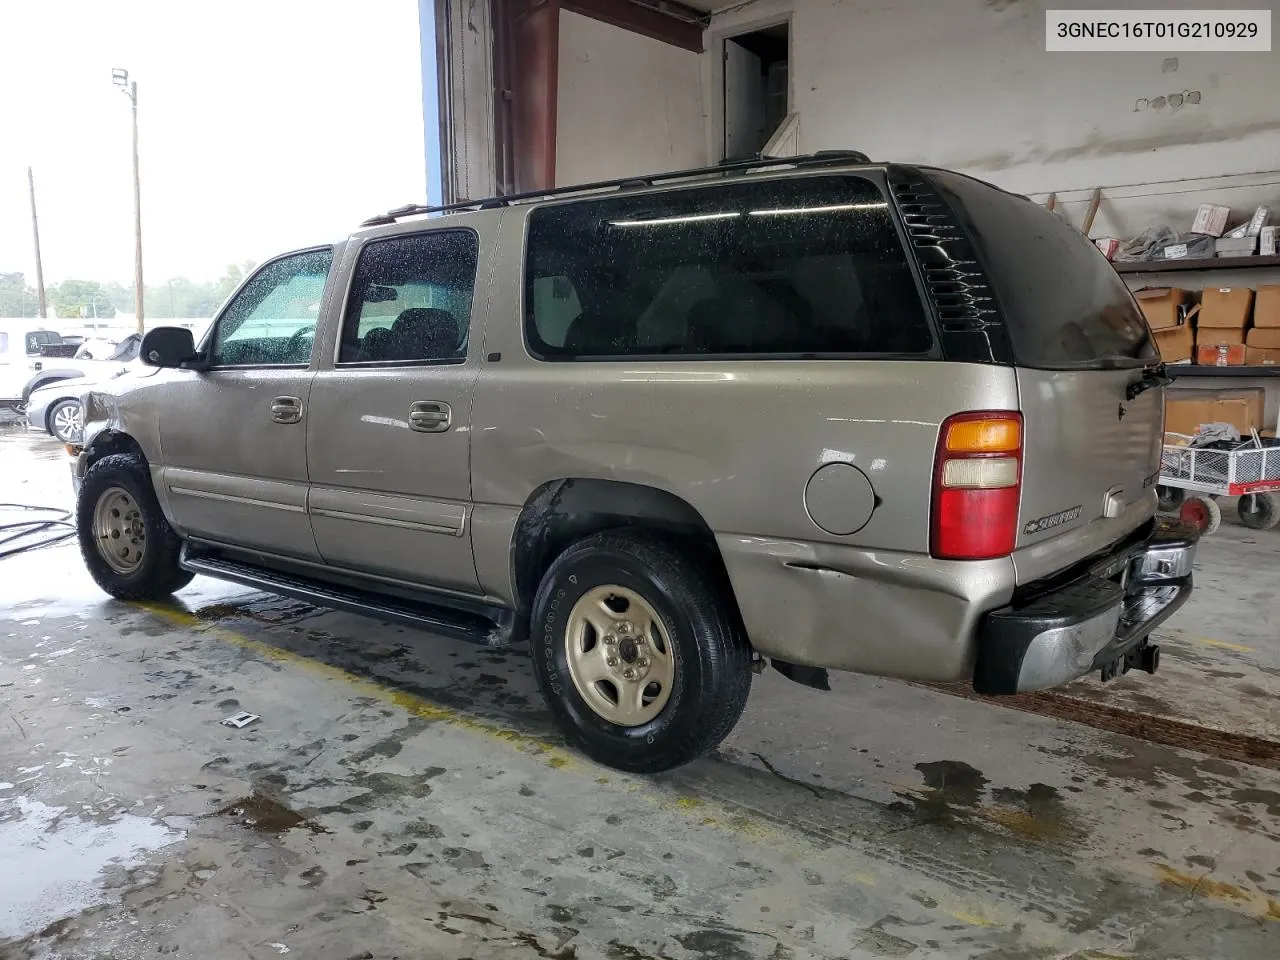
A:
(1003, 435)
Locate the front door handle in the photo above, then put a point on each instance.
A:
(286, 409)
(429, 416)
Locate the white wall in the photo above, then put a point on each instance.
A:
(627, 104)
(967, 84)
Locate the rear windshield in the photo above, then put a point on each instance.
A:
(41, 338)
(1065, 305)
(801, 267)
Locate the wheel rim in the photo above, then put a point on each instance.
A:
(118, 530)
(620, 655)
(66, 421)
(1195, 513)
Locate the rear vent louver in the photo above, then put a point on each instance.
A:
(968, 315)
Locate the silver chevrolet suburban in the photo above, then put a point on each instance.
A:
(816, 412)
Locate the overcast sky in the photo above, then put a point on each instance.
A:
(265, 125)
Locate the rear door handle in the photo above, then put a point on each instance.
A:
(286, 409)
(429, 416)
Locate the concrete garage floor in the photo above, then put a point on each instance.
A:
(405, 796)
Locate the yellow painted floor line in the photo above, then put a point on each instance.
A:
(989, 914)
(555, 756)
(1220, 644)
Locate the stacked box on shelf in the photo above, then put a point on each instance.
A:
(1169, 319)
(1263, 341)
(1185, 411)
(1221, 328)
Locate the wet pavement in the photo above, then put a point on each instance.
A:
(404, 795)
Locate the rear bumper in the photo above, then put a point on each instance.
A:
(1094, 622)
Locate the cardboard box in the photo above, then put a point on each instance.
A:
(1266, 338)
(1242, 408)
(1175, 343)
(1261, 357)
(1225, 307)
(1220, 336)
(1160, 305)
(1220, 354)
(1185, 411)
(1232, 247)
(1108, 246)
(1268, 240)
(1266, 308)
(1210, 219)
(1239, 413)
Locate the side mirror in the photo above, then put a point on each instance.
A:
(167, 347)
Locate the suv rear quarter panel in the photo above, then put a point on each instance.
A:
(739, 441)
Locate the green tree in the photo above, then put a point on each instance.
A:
(17, 299)
(231, 278)
(81, 298)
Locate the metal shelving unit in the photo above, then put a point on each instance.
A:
(1212, 263)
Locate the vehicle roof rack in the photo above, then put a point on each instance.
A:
(735, 167)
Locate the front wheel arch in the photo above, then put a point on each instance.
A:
(110, 442)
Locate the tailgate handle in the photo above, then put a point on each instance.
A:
(1113, 503)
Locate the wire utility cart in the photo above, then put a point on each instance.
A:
(1191, 478)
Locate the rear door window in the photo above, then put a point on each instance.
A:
(801, 267)
(1064, 304)
(411, 299)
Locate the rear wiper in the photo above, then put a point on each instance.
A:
(1152, 376)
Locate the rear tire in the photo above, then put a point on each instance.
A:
(664, 618)
(1203, 513)
(128, 546)
(1171, 498)
(1259, 511)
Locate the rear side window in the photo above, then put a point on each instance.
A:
(1064, 304)
(802, 267)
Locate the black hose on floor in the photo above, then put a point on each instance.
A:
(23, 536)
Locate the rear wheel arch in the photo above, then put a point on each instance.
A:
(562, 512)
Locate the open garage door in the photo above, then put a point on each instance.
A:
(546, 92)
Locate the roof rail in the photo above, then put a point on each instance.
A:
(733, 167)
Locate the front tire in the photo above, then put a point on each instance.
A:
(128, 546)
(639, 651)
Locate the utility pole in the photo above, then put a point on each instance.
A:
(35, 232)
(120, 78)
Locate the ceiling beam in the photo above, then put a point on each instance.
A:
(679, 28)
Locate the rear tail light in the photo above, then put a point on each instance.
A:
(977, 486)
